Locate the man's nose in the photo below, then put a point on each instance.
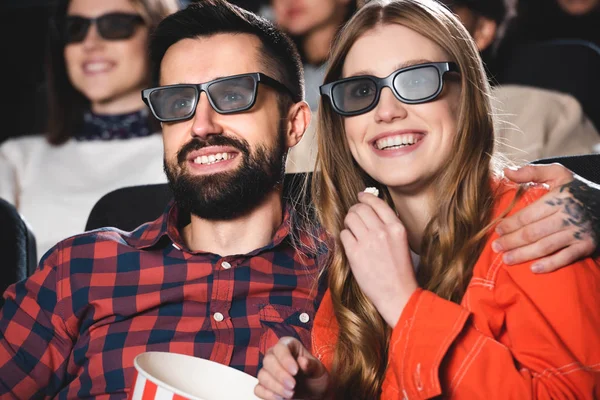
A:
(204, 123)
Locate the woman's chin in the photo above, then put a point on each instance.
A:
(398, 182)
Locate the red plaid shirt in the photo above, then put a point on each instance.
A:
(99, 299)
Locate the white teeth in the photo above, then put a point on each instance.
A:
(212, 158)
(97, 67)
(397, 141)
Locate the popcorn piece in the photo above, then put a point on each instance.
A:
(373, 191)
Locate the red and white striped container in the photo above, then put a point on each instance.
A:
(171, 376)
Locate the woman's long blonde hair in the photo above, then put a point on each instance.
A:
(454, 237)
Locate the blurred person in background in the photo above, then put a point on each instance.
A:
(540, 20)
(100, 136)
(579, 7)
(532, 122)
(312, 25)
(484, 21)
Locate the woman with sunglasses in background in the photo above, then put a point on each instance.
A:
(419, 305)
(100, 135)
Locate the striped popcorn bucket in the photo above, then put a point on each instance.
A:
(170, 376)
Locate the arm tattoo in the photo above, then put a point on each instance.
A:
(581, 209)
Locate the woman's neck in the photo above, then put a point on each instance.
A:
(415, 211)
(121, 105)
(316, 43)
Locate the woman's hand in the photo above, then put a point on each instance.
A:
(289, 370)
(376, 244)
(557, 227)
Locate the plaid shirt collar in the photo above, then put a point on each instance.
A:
(169, 223)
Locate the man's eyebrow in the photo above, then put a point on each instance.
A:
(405, 64)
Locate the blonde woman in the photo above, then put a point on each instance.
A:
(405, 109)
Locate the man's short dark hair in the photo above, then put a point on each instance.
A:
(209, 17)
(491, 9)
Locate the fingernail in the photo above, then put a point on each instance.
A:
(289, 384)
(496, 247)
(537, 268)
(508, 258)
(514, 168)
(499, 231)
(288, 394)
(293, 370)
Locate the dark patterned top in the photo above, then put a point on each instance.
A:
(110, 127)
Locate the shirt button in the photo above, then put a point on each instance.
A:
(218, 317)
(304, 318)
(225, 265)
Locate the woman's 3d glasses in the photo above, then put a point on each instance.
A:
(412, 85)
(112, 26)
(227, 95)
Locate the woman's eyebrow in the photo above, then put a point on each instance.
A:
(405, 64)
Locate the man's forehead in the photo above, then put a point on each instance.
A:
(203, 59)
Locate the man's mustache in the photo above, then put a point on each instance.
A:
(212, 140)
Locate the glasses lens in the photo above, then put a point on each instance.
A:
(355, 95)
(173, 102)
(75, 29)
(117, 26)
(418, 83)
(233, 94)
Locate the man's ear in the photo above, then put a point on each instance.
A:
(298, 118)
(485, 32)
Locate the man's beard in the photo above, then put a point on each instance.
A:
(227, 195)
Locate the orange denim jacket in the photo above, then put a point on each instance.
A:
(515, 335)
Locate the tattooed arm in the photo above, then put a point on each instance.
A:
(579, 201)
(561, 227)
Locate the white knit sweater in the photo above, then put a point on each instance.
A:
(55, 187)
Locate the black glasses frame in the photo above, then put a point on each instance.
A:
(258, 77)
(388, 81)
(133, 19)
